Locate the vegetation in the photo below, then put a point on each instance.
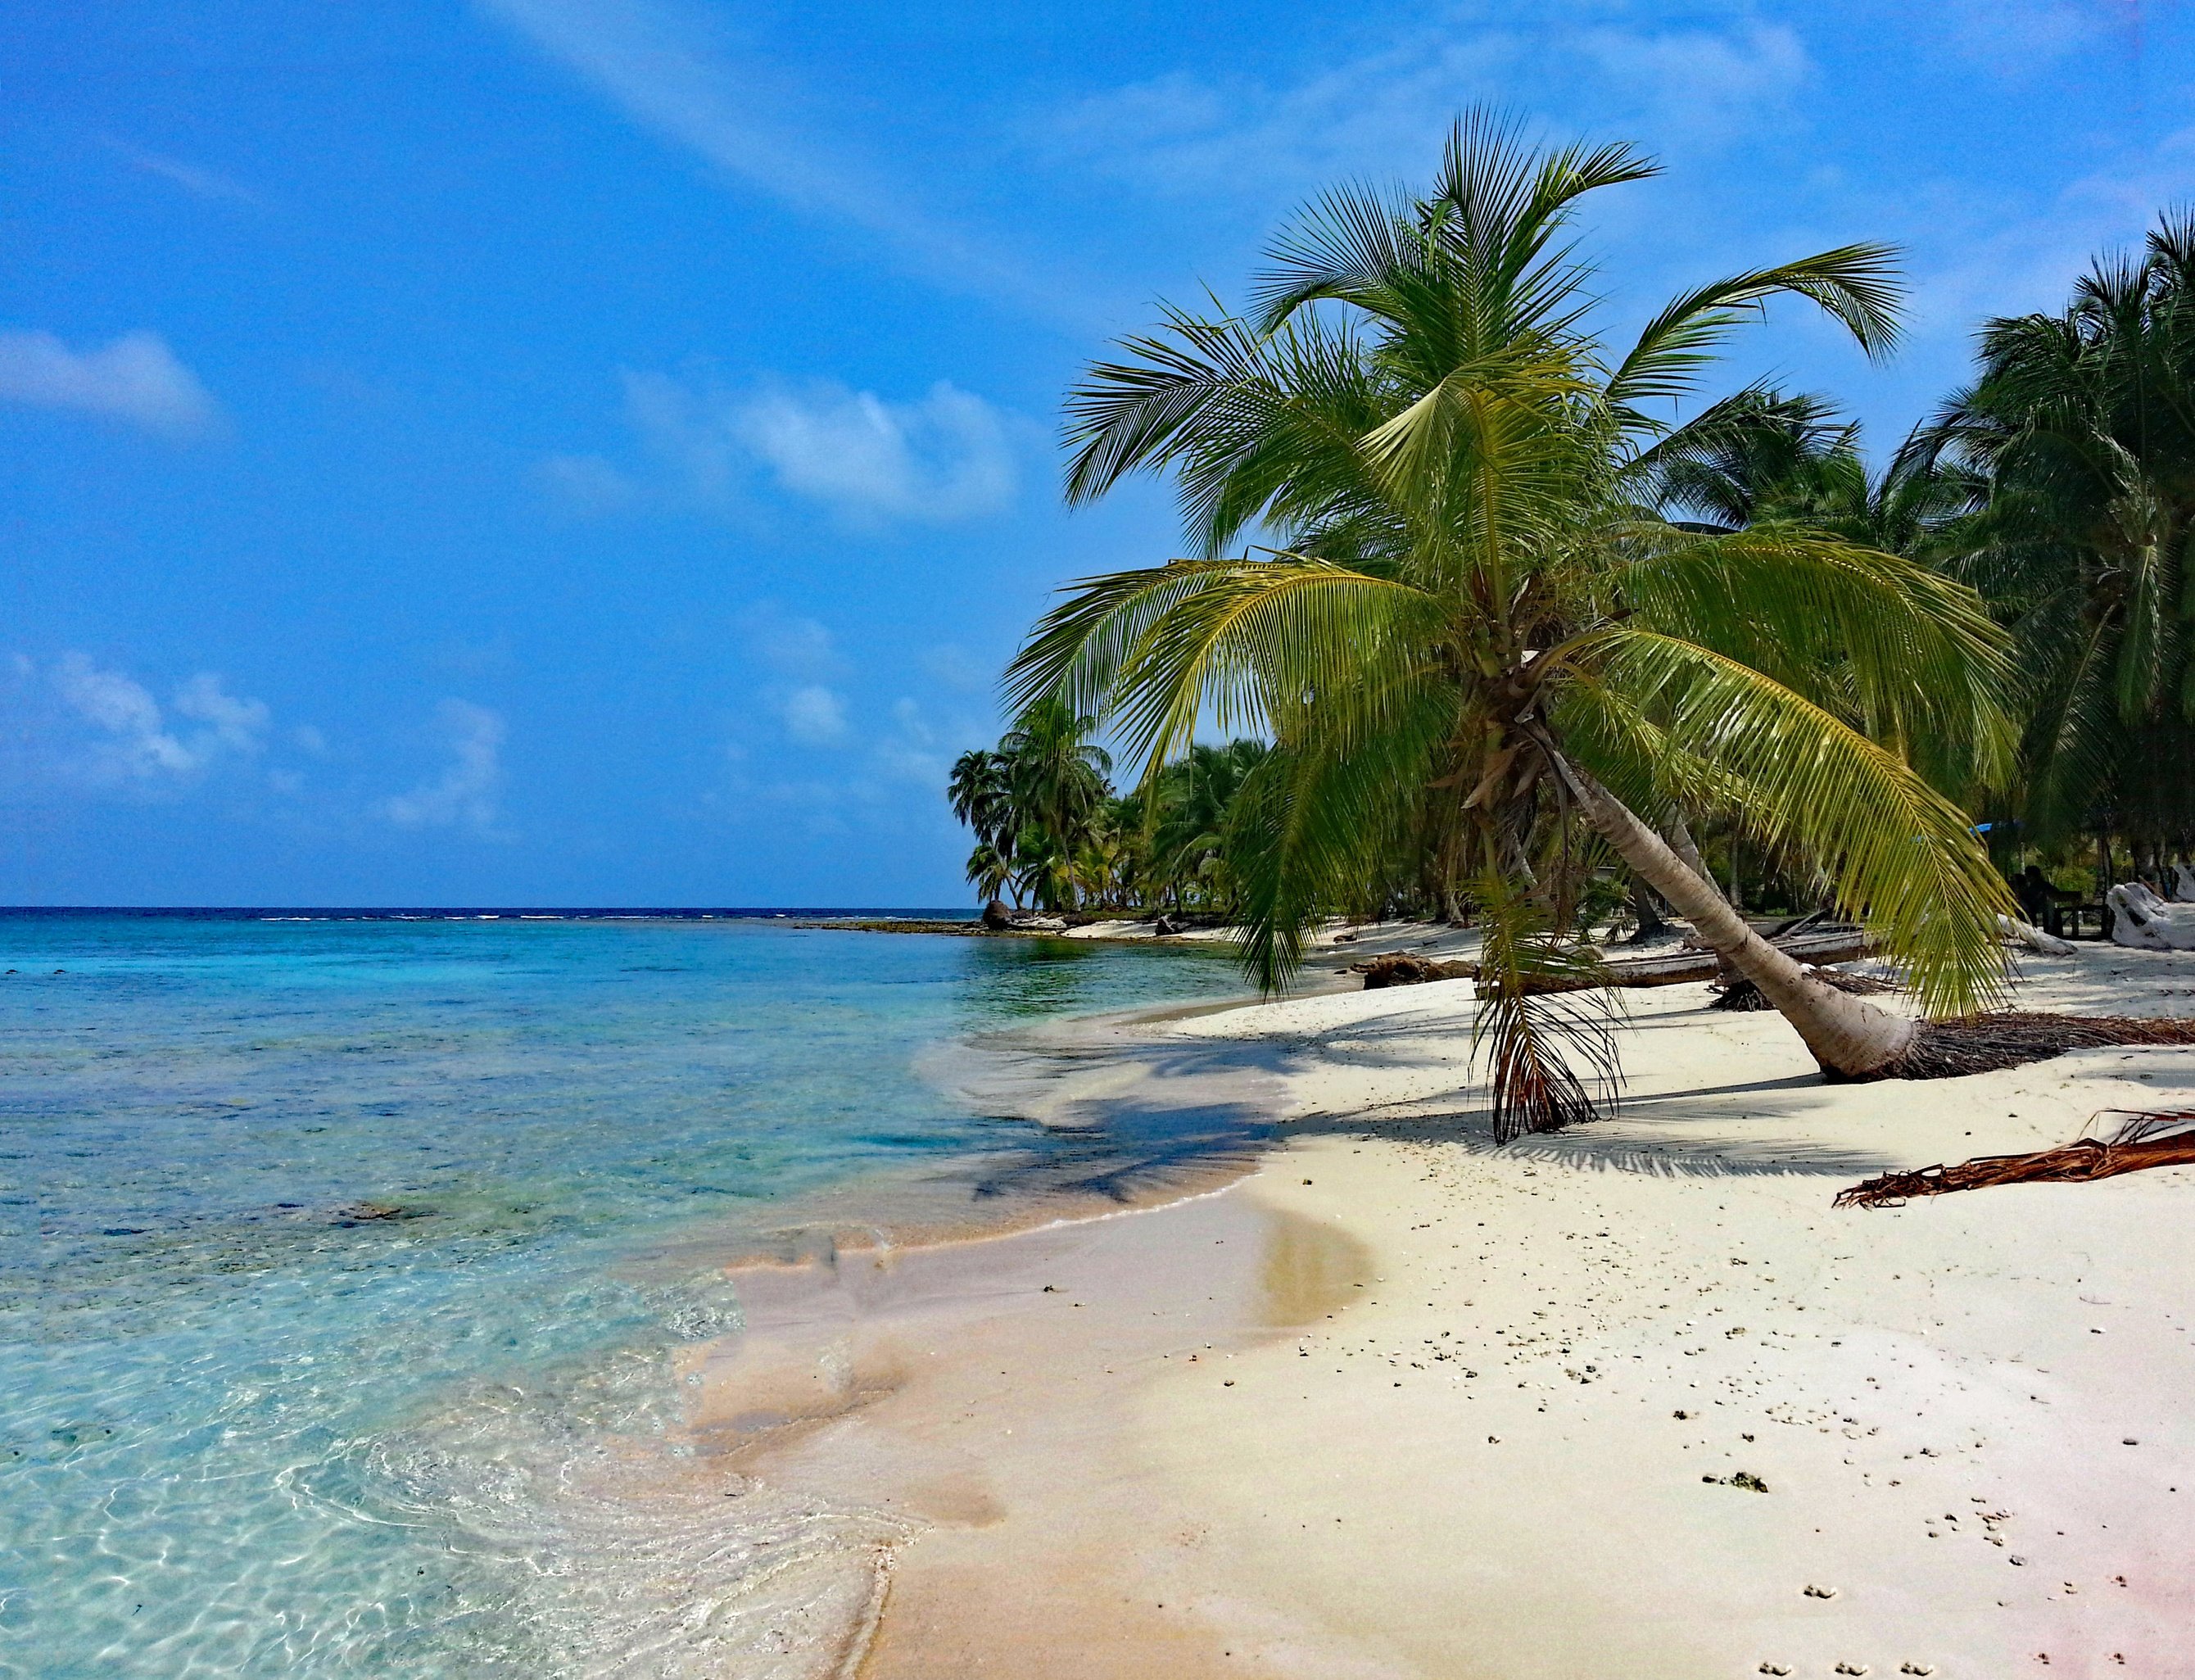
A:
(1515, 640)
(1051, 830)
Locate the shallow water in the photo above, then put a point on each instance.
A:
(342, 1265)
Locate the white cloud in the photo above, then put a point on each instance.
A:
(674, 70)
(237, 726)
(1385, 111)
(908, 752)
(464, 794)
(134, 741)
(815, 715)
(135, 379)
(948, 456)
(199, 183)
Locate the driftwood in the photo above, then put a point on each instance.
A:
(1407, 968)
(2017, 932)
(2145, 921)
(1668, 968)
(2164, 1138)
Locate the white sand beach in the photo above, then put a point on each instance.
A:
(1402, 1404)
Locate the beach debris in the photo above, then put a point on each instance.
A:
(1813, 1591)
(1745, 1479)
(2014, 1038)
(2026, 934)
(1407, 968)
(2164, 1138)
(2144, 922)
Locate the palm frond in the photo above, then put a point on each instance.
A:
(1533, 1031)
(1901, 856)
(1856, 285)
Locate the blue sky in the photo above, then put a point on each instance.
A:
(601, 451)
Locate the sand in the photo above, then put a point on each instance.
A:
(1401, 1404)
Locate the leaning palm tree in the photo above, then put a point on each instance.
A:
(1473, 628)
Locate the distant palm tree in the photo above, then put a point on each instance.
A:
(1475, 630)
(2084, 424)
(980, 792)
(1761, 459)
(1197, 794)
(1056, 778)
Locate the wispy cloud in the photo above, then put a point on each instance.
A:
(1994, 254)
(2019, 39)
(1384, 111)
(136, 378)
(675, 72)
(199, 183)
(947, 456)
(132, 740)
(464, 795)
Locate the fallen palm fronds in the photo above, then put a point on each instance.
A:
(2164, 1138)
(1985, 1043)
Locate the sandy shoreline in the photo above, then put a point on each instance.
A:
(1449, 1411)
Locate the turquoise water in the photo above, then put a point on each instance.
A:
(338, 1257)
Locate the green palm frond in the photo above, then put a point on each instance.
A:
(1856, 285)
(1902, 857)
(1918, 651)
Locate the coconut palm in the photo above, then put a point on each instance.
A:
(1473, 628)
(980, 792)
(1197, 795)
(1765, 457)
(2084, 423)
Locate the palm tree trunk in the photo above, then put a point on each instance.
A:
(1850, 1037)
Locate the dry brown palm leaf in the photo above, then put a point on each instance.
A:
(2162, 1139)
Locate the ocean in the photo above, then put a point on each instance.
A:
(344, 1262)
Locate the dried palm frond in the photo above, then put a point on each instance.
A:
(1535, 1028)
(2164, 1138)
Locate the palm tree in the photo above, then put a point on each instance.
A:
(2083, 423)
(981, 791)
(1197, 796)
(1056, 776)
(1765, 457)
(1474, 630)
